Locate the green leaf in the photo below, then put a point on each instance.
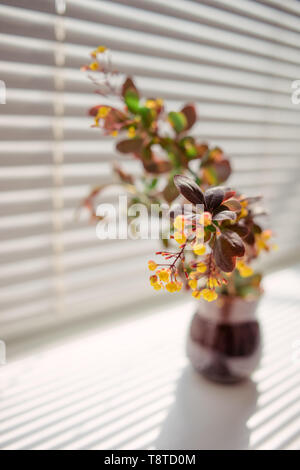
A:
(130, 95)
(146, 115)
(132, 101)
(178, 121)
(153, 183)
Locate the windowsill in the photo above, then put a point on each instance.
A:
(127, 384)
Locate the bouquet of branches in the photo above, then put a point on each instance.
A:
(218, 236)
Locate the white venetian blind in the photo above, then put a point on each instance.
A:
(235, 59)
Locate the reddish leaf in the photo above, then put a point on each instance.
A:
(232, 243)
(190, 113)
(189, 189)
(240, 229)
(223, 260)
(129, 86)
(213, 198)
(94, 110)
(130, 145)
(201, 150)
(170, 191)
(224, 215)
(223, 170)
(157, 166)
(250, 239)
(229, 193)
(233, 204)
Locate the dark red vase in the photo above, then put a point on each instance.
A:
(224, 341)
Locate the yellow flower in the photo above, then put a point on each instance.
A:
(94, 66)
(194, 275)
(153, 280)
(150, 104)
(179, 286)
(211, 282)
(196, 294)
(179, 223)
(244, 212)
(101, 49)
(152, 265)
(207, 219)
(193, 284)
(209, 295)
(201, 267)
(266, 234)
(131, 132)
(164, 275)
(171, 287)
(179, 238)
(244, 270)
(199, 249)
(157, 286)
(114, 133)
(103, 112)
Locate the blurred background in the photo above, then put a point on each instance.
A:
(236, 59)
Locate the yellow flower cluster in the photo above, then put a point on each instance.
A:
(101, 114)
(180, 237)
(199, 249)
(182, 231)
(99, 50)
(174, 286)
(154, 104)
(207, 294)
(262, 239)
(179, 225)
(162, 276)
(131, 132)
(244, 210)
(152, 265)
(244, 269)
(205, 219)
(94, 66)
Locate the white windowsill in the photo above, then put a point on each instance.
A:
(128, 385)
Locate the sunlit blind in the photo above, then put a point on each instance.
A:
(236, 59)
